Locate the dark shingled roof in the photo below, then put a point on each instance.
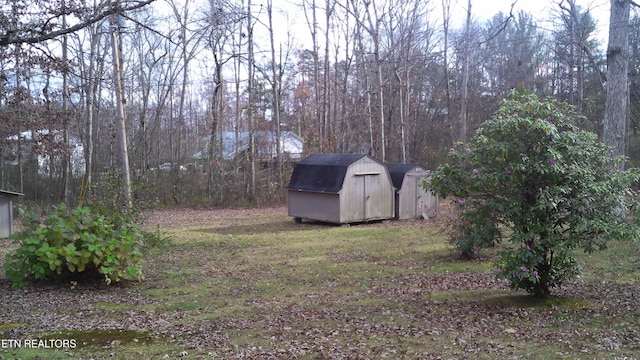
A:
(10, 193)
(322, 172)
(397, 172)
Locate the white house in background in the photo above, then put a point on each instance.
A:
(49, 147)
(291, 145)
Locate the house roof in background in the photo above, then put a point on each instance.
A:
(30, 135)
(231, 146)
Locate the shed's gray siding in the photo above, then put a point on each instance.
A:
(6, 213)
(314, 205)
(341, 188)
(412, 200)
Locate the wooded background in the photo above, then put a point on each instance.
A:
(390, 78)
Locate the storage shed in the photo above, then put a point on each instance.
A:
(412, 201)
(6, 212)
(340, 188)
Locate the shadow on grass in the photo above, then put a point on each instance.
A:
(527, 301)
(273, 227)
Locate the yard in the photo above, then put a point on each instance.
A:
(251, 284)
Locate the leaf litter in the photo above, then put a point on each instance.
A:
(413, 314)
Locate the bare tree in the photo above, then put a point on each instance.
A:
(222, 20)
(616, 118)
(188, 46)
(89, 85)
(65, 110)
(40, 22)
(312, 22)
(276, 79)
(446, 18)
(574, 51)
(464, 91)
(120, 103)
(373, 19)
(250, 97)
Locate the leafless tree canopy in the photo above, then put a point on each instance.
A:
(219, 94)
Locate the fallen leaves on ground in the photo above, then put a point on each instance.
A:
(404, 318)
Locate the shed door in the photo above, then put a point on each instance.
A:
(425, 202)
(415, 196)
(368, 184)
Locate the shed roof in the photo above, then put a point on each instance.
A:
(322, 172)
(10, 193)
(398, 171)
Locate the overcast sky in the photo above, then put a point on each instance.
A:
(291, 23)
(542, 11)
(481, 10)
(484, 9)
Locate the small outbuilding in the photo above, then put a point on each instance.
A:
(340, 189)
(412, 201)
(6, 212)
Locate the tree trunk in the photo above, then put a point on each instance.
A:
(65, 115)
(374, 31)
(275, 92)
(541, 289)
(462, 130)
(616, 115)
(90, 87)
(446, 14)
(122, 129)
(326, 104)
(251, 105)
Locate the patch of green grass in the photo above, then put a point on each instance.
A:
(619, 263)
(181, 274)
(70, 344)
(8, 326)
(468, 295)
(526, 301)
(34, 353)
(186, 305)
(100, 337)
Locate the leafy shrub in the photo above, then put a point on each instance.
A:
(74, 241)
(531, 176)
(107, 198)
(452, 226)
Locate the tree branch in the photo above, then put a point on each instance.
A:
(32, 36)
(502, 26)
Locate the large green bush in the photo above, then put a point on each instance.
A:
(69, 241)
(531, 176)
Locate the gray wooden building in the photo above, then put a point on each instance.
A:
(340, 188)
(6, 212)
(412, 201)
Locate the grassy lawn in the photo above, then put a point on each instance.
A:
(254, 285)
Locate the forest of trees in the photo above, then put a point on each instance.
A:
(392, 78)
